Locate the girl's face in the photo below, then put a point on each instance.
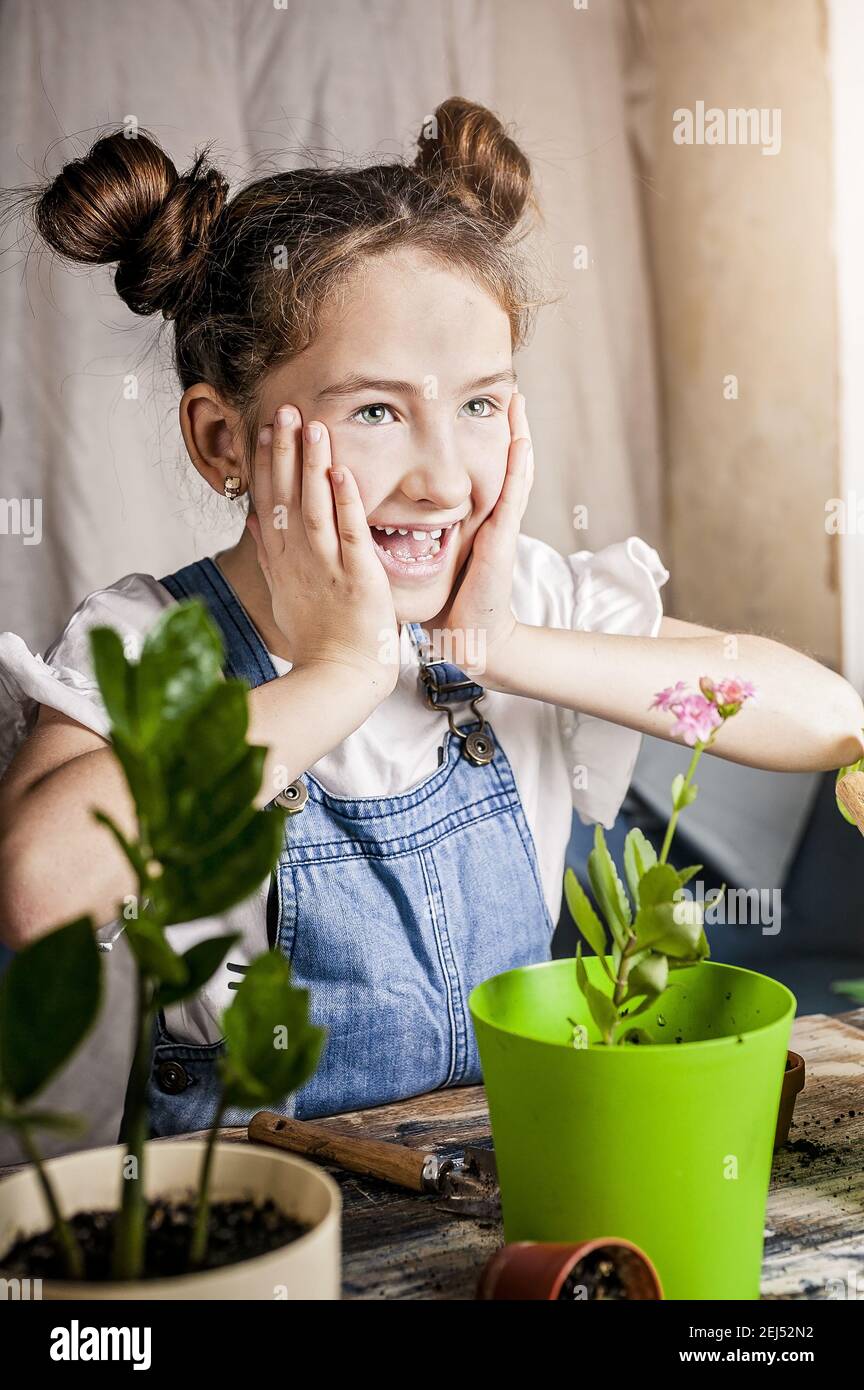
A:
(412, 374)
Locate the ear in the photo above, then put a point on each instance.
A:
(213, 435)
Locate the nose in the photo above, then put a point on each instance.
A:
(435, 472)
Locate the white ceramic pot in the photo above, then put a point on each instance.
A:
(307, 1268)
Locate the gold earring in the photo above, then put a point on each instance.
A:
(232, 489)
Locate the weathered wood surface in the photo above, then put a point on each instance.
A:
(398, 1245)
(814, 1245)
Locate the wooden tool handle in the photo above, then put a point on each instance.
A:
(392, 1162)
(850, 790)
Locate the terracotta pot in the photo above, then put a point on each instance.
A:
(793, 1082)
(307, 1268)
(530, 1269)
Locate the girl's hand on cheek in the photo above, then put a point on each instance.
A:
(481, 603)
(330, 595)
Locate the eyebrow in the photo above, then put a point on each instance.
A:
(352, 385)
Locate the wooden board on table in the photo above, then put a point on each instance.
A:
(814, 1247)
(398, 1245)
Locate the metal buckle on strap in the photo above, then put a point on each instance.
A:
(478, 746)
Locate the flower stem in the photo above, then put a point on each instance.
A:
(131, 1229)
(69, 1247)
(202, 1211)
(677, 808)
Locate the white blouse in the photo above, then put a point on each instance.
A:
(561, 759)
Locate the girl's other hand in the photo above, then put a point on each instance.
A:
(330, 594)
(481, 600)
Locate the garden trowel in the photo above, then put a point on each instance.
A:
(466, 1183)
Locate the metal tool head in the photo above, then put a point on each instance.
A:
(469, 1185)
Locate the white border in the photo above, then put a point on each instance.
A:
(846, 61)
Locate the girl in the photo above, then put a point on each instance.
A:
(344, 340)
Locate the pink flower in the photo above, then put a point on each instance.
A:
(667, 699)
(695, 718)
(735, 692)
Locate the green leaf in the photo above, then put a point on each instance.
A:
(673, 929)
(130, 849)
(853, 988)
(658, 885)
(700, 953)
(202, 821)
(181, 661)
(201, 962)
(650, 977)
(114, 676)
(145, 779)
(49, 998)
(149, 945)
(213, 883)
(600, 1005)
(685, 875)
(639, 856)
(608, 888)
(273, 1048)
(683, 796)
(216, 738)
(585, 917)
(649, 1002)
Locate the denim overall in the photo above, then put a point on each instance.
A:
(390, 910)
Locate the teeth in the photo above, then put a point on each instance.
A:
(435, 547)
(418, 535)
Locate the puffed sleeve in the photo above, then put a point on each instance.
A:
(64, 677)
(616, 589)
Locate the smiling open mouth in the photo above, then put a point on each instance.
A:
(416, 551)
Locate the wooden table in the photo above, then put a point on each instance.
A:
(397, 1245)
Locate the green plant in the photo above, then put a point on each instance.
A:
(656, 928)
(49, 999)
(178, 730)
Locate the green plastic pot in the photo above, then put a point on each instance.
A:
(667, 1146)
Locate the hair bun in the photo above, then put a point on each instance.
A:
(470, 152)
(124, 202)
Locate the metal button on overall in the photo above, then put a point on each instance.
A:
(293, 797)
(172, 1078)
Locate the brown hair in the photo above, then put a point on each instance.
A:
(244, 280)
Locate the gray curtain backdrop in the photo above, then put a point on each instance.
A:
(89, 405)
(88, 400)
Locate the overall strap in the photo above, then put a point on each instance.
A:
(245, 654)
(444, 682)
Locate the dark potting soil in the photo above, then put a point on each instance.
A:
(239, 1230)
(593, 1278)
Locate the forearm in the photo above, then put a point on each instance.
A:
(303, 715)
(57, 862)
(805, 718)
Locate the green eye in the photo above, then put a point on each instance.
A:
(481, 401)
(366, 409)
